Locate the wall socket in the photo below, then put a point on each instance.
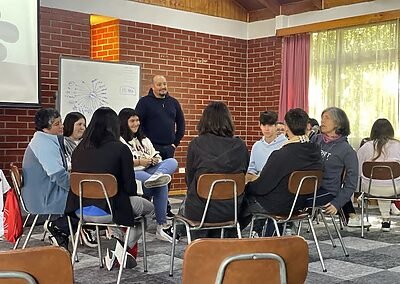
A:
(181, 170)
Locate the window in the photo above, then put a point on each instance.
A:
(356, 69)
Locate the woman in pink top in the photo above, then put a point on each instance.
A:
(382, 147)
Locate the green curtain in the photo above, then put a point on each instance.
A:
(356, 69)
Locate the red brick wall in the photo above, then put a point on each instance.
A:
(61, 33)
(105, 41)
(199, 68)
(264, 75)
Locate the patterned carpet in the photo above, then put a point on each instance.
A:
(371, 260)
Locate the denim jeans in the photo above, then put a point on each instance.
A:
(159, 194)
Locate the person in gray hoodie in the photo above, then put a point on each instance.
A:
(339, 159)
(215, 150)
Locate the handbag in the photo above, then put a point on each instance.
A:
(12, 218)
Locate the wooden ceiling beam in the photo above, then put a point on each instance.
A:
(319, 4)
(272, 5)
(341, 23)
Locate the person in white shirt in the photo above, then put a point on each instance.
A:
(382, 147)
(263, 148)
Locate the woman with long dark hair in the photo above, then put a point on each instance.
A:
(215, 150)
(382, 147)
(150, 169)
(100, 151)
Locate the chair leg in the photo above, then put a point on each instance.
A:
(171, 263)
(317, 244)
(278, 234)
(327, 228)
(362, 215)
(71, 234)
(30, 231)
(144, 244)
(75, 248)
(122, 264)
(239, 232)
(23, 227)
(299, 228)
(253, 218)
(339, 236)
(45, 232)
(99, 247)
(264, 228)
(222, 233)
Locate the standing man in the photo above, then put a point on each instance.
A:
(162, 120)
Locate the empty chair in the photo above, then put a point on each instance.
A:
(262, 260)
(43, 265)
(212, 187)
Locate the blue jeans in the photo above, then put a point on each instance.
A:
(159, 194)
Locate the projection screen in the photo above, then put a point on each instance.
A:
(19, 53)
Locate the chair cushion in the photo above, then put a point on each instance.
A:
(94, 214)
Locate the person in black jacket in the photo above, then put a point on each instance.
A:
(162, 120)
(269, 193)
(215, 150)
(100, 151)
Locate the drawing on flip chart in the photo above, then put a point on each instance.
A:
(86, 97)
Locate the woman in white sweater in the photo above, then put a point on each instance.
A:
(150, 169)
(382, 147)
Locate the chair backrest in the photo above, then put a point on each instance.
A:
(304, 182)
(94, 186)
(220, 186)
(47, 265)
(203, 258)
(16, 178)
(381, 170)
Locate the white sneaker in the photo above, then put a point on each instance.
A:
(356, 222)
(394, 210)
(164, 233)
(157, 180)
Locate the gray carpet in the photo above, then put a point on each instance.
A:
(371, 260)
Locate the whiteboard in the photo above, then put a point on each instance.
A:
(85, 85)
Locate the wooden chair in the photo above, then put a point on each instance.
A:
(43, 265)
(302, 183)
(262, 260)
(101, 186)
(16, 178)
(378, 171)
(212, 187)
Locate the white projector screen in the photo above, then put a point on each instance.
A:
(19, 52)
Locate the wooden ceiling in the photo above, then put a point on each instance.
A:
(250, 10)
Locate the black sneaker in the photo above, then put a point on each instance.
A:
(58, 237)
(170, 215)
(386, 226)
(89, 237)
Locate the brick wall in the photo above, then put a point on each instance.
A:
(105, 41)
(264, 75)
(61, 33)
(199, 68)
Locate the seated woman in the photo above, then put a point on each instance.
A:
(215, 150)
(100, 151)
(382, 147)
(149, 168)
(74, 127)
(44, 168)
(338, 157)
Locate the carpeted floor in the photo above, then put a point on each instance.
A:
(371, 260)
